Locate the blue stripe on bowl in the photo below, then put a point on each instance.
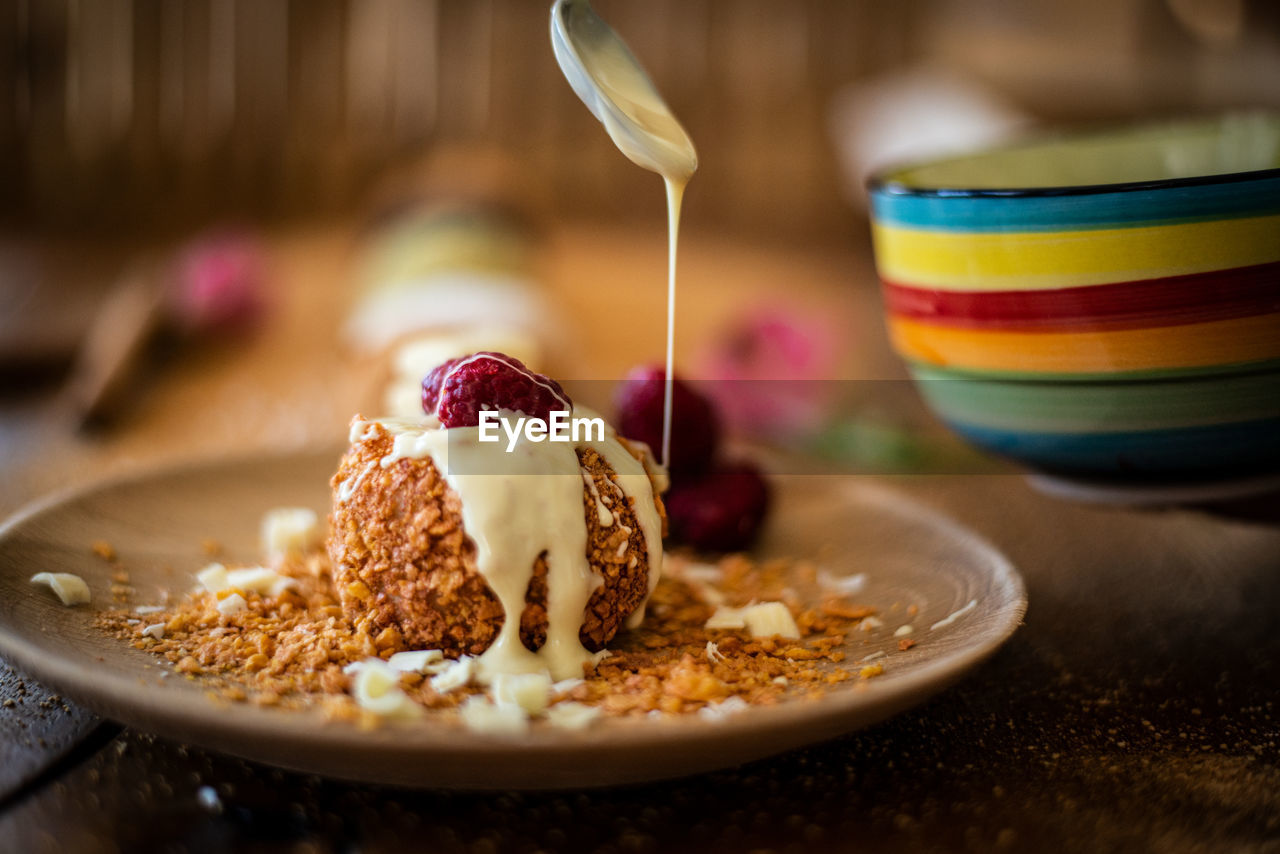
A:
(1248, 446)
(1072, 209)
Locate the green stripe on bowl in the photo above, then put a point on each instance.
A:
(1101, 407)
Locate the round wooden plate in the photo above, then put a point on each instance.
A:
(156, 523)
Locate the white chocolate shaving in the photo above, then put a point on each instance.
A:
(726, 618)
(69, 588)
(843, 584)
(529, 691)
(572, 716)
(376, 688)
(233, 604)
(723, 709)
(290, 531)
(216, 578)
(455, 675)
(213, 577)
(564, 686)
(770, 618)
(259, 579)
(765, 619)
(480, 715)
(707, 573)
(414, 661)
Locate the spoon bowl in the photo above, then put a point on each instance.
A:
(609, 79)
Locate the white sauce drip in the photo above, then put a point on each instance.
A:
(675, 194)
(347, 488)
(517, 505)
(609, 80)
(603, 514)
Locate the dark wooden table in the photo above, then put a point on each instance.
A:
(1136, 709)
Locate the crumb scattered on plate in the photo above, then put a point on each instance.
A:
(277, 635)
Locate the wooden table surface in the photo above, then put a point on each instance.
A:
(1135, 710)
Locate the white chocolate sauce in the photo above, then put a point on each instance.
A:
(675, 195)
(348, 487)
(603, 514)
(606, 76)
(516, 506)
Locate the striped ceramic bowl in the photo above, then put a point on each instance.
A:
(1105, 304)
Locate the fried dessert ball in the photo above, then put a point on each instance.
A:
(403, 561)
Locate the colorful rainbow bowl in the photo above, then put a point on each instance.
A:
(1097, 305)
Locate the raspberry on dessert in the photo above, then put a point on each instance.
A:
(695, 427)
(720, 511)
(431, 384)
(463, 388)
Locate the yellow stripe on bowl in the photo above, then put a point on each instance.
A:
(1193, 345)
(996, 261)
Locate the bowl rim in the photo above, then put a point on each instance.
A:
(882, 181)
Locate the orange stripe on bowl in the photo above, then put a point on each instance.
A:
(1196, 345)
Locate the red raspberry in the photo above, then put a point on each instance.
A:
(491, 381)
(431, 384)
(720, 511)
(695, 427)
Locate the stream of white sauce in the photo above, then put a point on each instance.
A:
(604, 73)
(517, 505)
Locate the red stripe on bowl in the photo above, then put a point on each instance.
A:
(1169, 301)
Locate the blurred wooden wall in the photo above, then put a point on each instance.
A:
(146, 114)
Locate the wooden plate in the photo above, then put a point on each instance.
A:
(157, 524)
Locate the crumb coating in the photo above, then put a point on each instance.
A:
(402, 559)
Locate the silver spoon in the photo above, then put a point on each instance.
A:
(606, 76)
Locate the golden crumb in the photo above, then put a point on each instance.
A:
(104, 550)
(289, 650)
(835, 608)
